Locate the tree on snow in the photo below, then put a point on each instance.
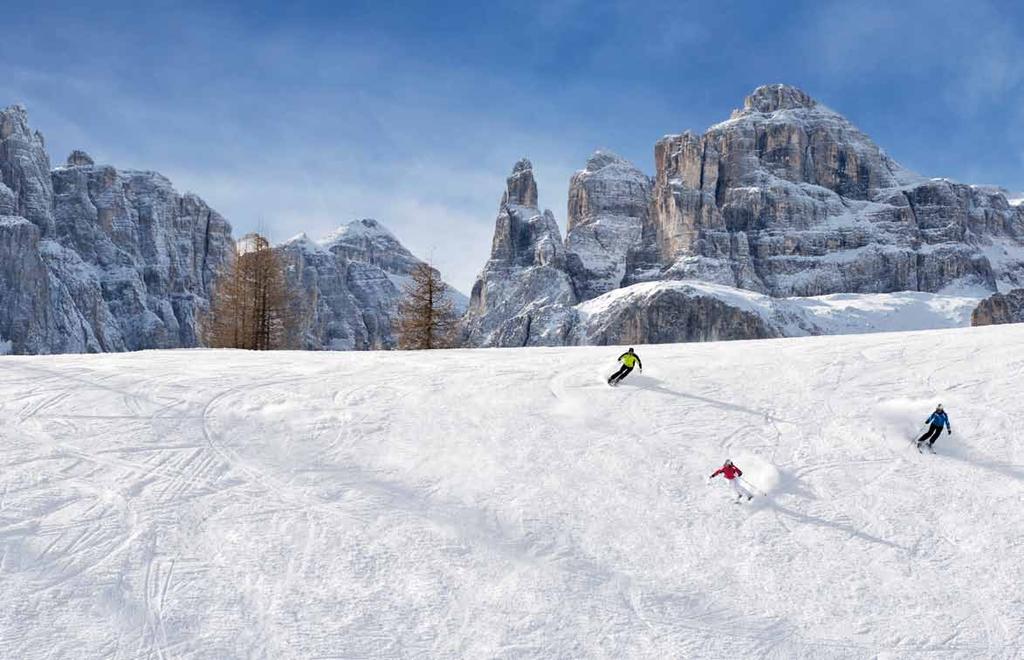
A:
(426, 314)
(250, 305)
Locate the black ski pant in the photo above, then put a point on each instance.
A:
(931, 435)
(620, 374)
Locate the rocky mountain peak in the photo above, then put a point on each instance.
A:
(13, 118)
(602, 158)
(770, 98)
(79, 158)
(360, 232)
(521, 188)
(351, 283)
(608, 206)
(25, 168)
(367, 225)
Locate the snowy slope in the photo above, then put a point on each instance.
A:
(506, 503)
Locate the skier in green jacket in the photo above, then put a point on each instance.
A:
(629, 359)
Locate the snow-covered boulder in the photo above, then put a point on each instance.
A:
(667, 312)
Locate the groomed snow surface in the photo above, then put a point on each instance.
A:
(508, 503)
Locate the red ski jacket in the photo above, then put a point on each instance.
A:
(730, 472)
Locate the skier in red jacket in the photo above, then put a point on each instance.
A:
(731, 472)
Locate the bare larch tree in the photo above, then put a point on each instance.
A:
(426, 314)
(250, 306)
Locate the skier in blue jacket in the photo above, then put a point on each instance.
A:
(936, 420)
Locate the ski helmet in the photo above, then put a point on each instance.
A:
(938, 407)
(630, 349)
(728, 461)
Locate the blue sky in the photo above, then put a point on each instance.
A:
(301, 116)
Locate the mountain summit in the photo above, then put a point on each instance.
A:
(771, 98)
(786, 198)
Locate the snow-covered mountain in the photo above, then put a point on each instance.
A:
(609, 205)
(527, 275)
(491, 504)
(786, 198)
(352, 281)
(789, 198)
(98, 259)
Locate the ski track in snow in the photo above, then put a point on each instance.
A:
(508, 503)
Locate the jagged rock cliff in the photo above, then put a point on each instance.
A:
(524, 294)
(786, 198)
(93, 258)
(99, 259)
(350, 284)
(25, 169)
(608, 209)
(1000, 308)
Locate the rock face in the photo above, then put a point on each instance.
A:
(99, 259)
(25, 168)
(79, 158)
(25, 318)
(664, 314)
(786, 198)
(1000, 308)
(526, 281)
(608, 209)
(351, 283)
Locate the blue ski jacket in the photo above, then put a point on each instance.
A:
(938, 419)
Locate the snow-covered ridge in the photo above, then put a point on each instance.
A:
(834, 314)
(364, 229)
(355, 277)
(301, 241)
(788, 199)
(225, 504)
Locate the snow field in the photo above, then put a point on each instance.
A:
(508, 503)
